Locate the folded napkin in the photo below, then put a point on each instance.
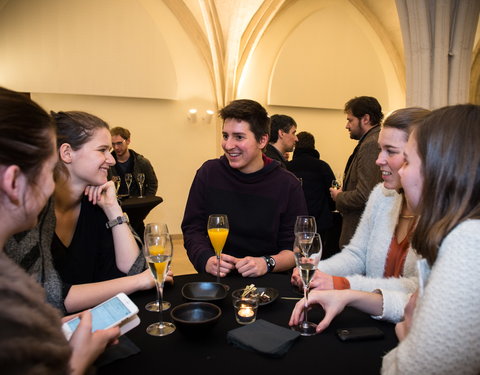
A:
(264, 337)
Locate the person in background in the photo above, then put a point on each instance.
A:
(129, 161)
(379, 254)
(83, 251)
(316, 176)
(364, 116)
(282, 138)
(31, 337)
(260, 198)
(441, 182)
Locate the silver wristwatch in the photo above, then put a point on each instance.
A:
(117, 221)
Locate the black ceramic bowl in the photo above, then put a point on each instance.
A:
(195, 317)
(204, 291)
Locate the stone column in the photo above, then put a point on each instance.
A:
(438, 38)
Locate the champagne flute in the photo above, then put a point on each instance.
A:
(116, 181)
(158, 251)
(141, 180)
(307, 264)
(218, 228)
(128, 181)
(305, 229)
(156, 229)
(305, 223)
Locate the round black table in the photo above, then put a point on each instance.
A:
(180, 353)
(137, 210)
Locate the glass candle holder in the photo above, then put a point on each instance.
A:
(245, 310)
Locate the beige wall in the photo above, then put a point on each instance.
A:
(131, 63)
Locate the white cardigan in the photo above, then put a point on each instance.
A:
(444, 337)
(363, 260)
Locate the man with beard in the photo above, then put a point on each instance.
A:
(364, 116)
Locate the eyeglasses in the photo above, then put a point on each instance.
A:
(118, 143)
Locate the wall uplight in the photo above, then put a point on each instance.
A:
(208, 115)
(192, 115)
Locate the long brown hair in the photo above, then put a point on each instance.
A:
(448, 144)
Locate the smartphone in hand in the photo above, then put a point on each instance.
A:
(118, 310)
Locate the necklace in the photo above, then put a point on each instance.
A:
(408, 216)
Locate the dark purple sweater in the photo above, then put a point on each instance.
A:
(262, 208)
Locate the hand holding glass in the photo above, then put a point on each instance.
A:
(158, 251)
(307, 261)
(218, 228)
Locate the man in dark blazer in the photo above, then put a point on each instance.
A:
(364, 116)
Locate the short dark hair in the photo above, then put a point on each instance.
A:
(363, 105)
(305, 140)
(249, 111)
(26, 133)
(280, 122)
(122, 132)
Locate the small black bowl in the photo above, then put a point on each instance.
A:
(204, 291)
(195, 317)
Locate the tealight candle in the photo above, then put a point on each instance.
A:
(246, 310)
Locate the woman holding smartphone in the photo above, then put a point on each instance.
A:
(31, 339)
(88, 252)
(441, 181)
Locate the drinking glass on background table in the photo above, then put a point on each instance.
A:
(141, 180)
(116, 181)
(158, 251)
(307, 261)
(128, 181)
(218, 228)
(156, 229)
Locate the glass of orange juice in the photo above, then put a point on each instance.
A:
(217, 228)
(158, 251)
(156, 228)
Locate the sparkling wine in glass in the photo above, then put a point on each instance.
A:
(307, 264)
(128, 181)
(141, 181)
(156, 229)
(218, 228)
(158, 251)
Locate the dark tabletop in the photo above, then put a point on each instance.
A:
(210, 353)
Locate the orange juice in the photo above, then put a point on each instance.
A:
(218, 236)
(156, 250)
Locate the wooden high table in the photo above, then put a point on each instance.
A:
(137, 210)
(179, 353)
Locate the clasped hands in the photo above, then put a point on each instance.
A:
(247, 267)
